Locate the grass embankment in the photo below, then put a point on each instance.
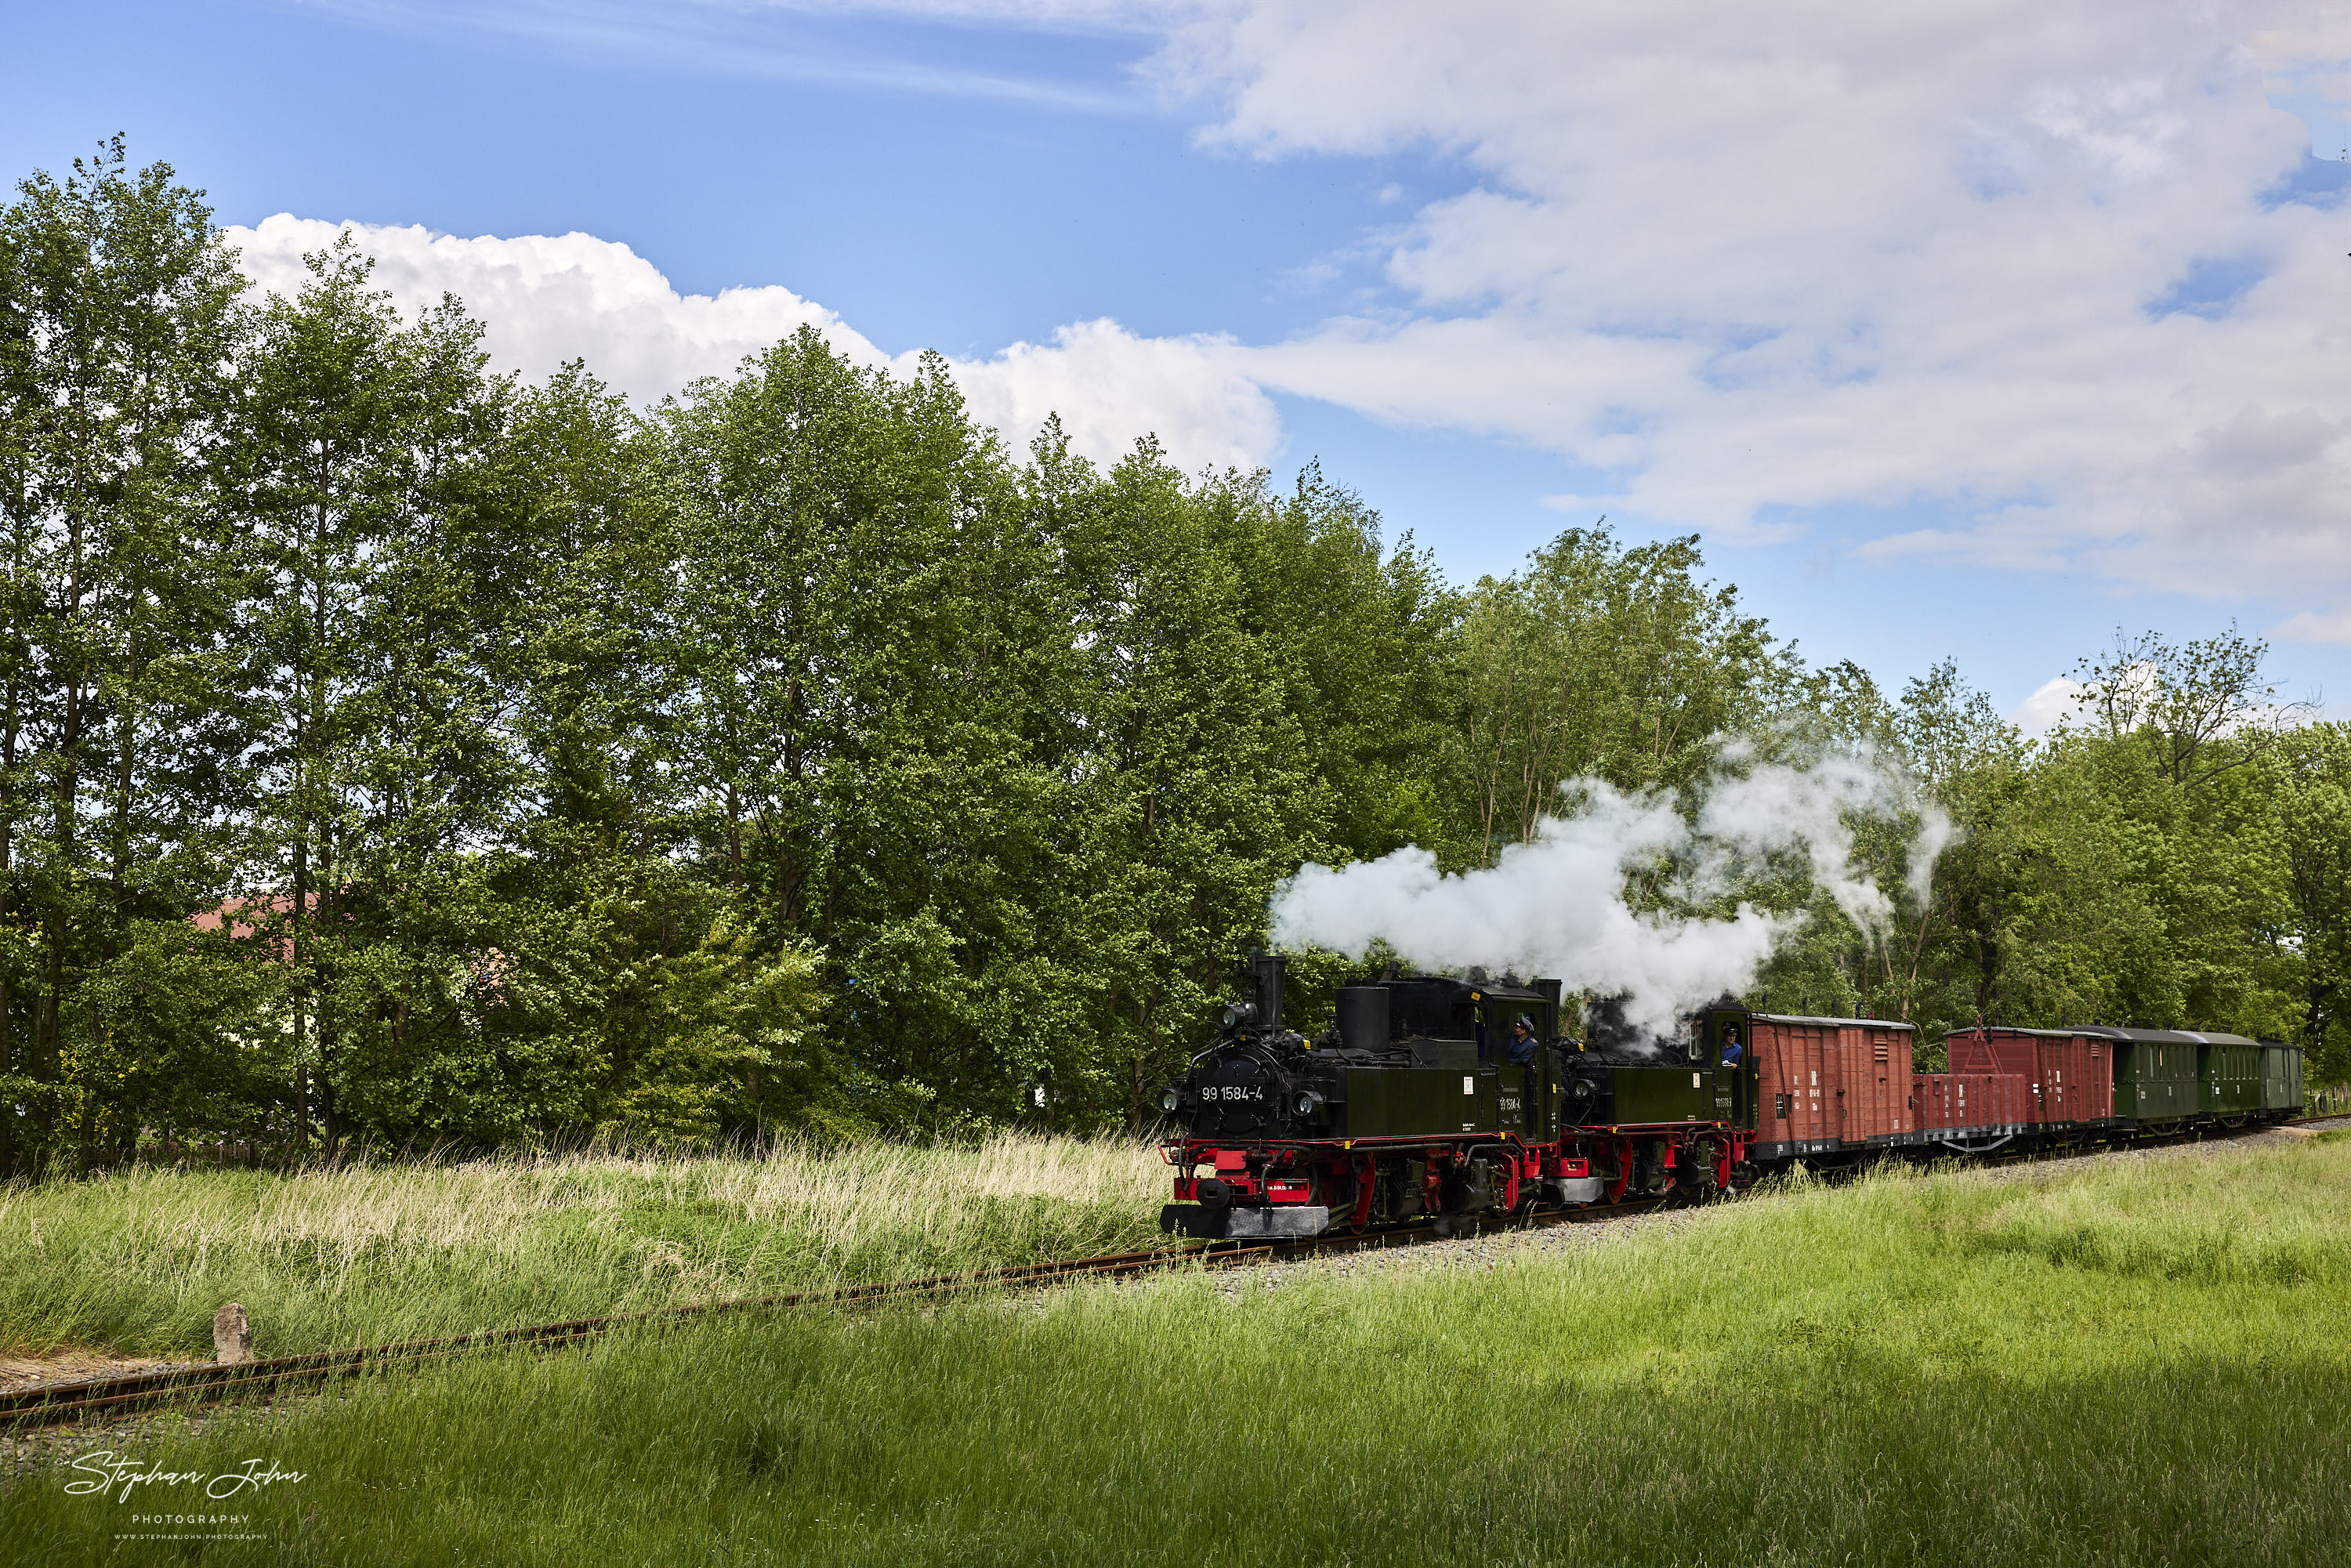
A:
(136, 1264)
(2114, 1364)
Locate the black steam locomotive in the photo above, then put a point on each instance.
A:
(1412, 1106)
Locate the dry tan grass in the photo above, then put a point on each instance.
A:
(332, 1255)
(356, 1209)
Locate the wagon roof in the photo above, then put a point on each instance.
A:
(2098, 1030)
(1835, 1023)
(2161, 1036)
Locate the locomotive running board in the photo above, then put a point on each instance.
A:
(1242, 1224)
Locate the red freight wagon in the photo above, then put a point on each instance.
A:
(2006, 1103)
(1931, 1102)
(2070, 1077)
(1875, 1075)
(1953, 1106)
(1829, 1084)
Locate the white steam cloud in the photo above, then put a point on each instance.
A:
(1555, 905)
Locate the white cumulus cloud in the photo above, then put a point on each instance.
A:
(2052, 703)
(544, 299)
(548, 298)
(1110, 386)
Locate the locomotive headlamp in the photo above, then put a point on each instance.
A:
(1239, 1013)
(1168, 1100)
(1306, 1101)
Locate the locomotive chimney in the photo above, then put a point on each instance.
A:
(1265, 979)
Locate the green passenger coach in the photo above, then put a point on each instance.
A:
(2168, 1075)
(2154, 1073)
(2281, 1077)
(2230, 1077)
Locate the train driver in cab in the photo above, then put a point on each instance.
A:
(1522, 1044)
(1732, 1051)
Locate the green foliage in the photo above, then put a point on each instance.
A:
(2121, 872)
(2306, 781)
(117, 313)
(728, 1035)
(1606, 662)
(394, 754)
(789, 758)
(179, 1041)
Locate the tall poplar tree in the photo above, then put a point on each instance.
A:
(117, 323)
(362, 442)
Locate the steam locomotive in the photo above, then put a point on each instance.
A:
(1411, 1108)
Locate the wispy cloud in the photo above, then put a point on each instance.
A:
(913, 48)
(2316, 626)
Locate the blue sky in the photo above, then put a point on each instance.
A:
(1979, 333)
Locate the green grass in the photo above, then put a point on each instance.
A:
(2114, 1364)
(136, 1264)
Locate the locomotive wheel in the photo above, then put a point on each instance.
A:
(1367, 1188)
(1623, 1171)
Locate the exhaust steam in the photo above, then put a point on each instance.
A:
(1556, 904)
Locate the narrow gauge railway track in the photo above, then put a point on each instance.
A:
(1992, 1159)
(55, 1404)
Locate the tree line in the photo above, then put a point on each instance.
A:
(397, 753)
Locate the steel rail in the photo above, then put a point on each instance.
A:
(51, 1404)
